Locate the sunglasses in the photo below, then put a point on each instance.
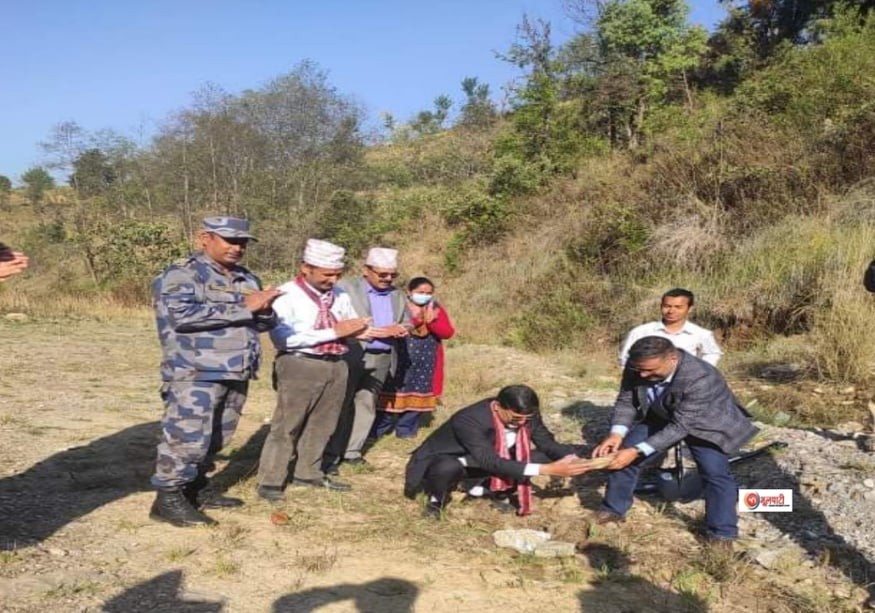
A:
(384, 275)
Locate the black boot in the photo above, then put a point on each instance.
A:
(201, 499)
(173, 507)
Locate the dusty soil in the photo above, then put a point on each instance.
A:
(79, 417)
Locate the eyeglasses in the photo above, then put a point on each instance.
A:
(384, 275)
(520, 417)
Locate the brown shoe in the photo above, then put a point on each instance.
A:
(604, 518)
(725, 545)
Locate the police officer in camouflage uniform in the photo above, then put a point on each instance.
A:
(209, 311)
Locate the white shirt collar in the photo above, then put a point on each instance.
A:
(685, 329)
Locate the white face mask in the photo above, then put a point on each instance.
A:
(421, 299)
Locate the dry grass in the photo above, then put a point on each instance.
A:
(691, 237)
(317, 563)
(225, 567)
(179, 553)
(357, 538)
(20, 298)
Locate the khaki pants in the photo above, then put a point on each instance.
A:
(310, 394)
(366, 378)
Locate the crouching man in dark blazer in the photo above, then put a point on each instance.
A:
(490, 441)
(666, 396)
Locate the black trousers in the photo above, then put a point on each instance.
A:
(445, 473)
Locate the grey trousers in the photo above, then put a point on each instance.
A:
(366, 378)
(310, 394)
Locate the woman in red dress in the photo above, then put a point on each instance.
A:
(419, 378)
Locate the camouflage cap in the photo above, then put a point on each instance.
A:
(228, 227)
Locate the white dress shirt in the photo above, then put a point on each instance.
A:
(297, 315)
(510, 436)
(693, 339)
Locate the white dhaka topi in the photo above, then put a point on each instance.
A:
(323, 254)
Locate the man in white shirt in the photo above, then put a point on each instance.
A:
(315, 319)
(676, 307)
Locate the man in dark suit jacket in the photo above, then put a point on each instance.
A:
(467, 446)
(667, 395)
(371, 360)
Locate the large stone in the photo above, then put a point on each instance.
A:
(523, 540)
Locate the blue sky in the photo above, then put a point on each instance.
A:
(126, 65)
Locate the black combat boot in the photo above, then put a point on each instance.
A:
(202, 498)
(173, 507)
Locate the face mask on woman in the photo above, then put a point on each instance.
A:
(420, 299)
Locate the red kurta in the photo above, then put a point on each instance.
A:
(442, 329)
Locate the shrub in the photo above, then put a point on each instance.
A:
(124, 255)
(353, 221)
(806, 86)
(512, 176)
(477, 215)
(611, 232)
(556, 319)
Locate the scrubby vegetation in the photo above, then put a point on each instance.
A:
(642, 154)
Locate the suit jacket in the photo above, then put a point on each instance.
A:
(869, 277)
(358, 295)
(697, 402)
(469, 433)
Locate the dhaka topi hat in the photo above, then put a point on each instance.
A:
(228, 227)
(381, 257)
(323, 254)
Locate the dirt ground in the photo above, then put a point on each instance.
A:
(79, 419)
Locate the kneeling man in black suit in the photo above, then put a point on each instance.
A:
(490, 440)
(666, 396)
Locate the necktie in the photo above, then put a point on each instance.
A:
(654, 392)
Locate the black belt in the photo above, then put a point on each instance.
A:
(325, 357)
(378, 351)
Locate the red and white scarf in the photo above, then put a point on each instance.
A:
(523, 453)
(324, 320)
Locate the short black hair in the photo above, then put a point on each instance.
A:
(416, 282)
(519, 398)
(679, 292)
(650, 347)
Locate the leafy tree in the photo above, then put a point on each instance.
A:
(124, 254)
(546, 132)
(66, 142)
(276, 153)
(754, 32)
(92, 173)
(352, 221)
(5, 189)
(36, 182)
(309, 134)
(478, 111)
(536, 101)
(652, 44)
(432, 122)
